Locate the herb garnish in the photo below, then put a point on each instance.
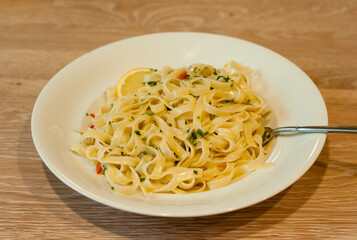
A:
(193, 137)
(137, 132)
(226, 79)
(151, 84)
(201, 133)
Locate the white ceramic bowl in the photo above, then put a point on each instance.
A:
(292, 95)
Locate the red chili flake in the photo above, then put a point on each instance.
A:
(163, 93)
(99, 168)
(92, 126)
(106, 153)
(92, 115)
(182, 76)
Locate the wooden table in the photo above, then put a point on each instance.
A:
(38, 38)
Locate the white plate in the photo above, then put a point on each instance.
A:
(62, 104)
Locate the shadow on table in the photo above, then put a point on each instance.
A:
(134, 226)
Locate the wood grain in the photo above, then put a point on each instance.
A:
(38, 38)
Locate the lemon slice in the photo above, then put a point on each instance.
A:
(131, 81)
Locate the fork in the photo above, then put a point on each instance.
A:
(270, 133)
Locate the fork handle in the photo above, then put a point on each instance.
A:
(317, 129)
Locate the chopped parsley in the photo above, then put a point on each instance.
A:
(112, 105)
(226, 79)
(195, 172)
(193, 137)
(214, 71)
(145, 152)
(112, 187)
(132, 118)
(211, 88)
(198, 117)
(201, 133)
(137, 132)
(142, 179)
(144, 139)
(122, 153)
(173, 106)
(87, 114)
(151, 84)
(248, 101)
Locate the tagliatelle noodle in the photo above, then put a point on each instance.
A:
(185, 130)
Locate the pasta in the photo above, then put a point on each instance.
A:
(184, 130)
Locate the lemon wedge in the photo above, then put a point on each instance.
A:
(131, 81)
